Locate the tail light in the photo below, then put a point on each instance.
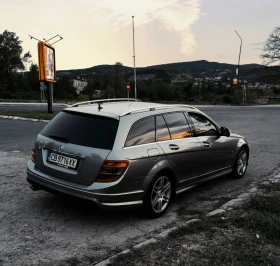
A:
(33, 154)
(111, 171)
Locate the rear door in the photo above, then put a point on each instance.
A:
(183, 151)
(73, 146)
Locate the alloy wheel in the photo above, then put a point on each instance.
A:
(242, 162)
(161, 194)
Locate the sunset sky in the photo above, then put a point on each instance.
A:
(99, 32)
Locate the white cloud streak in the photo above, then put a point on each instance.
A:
(173, 15)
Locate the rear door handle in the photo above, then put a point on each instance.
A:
(174, 147)
(206, 144)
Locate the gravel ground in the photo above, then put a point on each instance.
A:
(40, 228)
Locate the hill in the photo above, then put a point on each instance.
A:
(194, 68)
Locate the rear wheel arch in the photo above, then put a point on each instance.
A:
(161, 167)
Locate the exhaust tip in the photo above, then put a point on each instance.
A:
(35, 188)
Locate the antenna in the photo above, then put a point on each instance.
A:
(99, 107)
(31, 37)
(47, 41)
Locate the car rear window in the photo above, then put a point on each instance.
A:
(82, 129)
(142, 132)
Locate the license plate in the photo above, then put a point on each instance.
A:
(62, 160)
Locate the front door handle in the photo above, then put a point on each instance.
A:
(206, 144)
(174, 147)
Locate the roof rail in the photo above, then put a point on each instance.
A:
(105, 101)
(153, 108)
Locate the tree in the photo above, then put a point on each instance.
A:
(271, 53)
(32, 77)
(64, 89)
(91, 87)
(118, 80)
(11, 59)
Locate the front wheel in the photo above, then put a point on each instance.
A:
(241, 163)
(158, 196)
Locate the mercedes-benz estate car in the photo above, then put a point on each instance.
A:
(119, 153)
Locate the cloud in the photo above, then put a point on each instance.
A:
(173, 15)
(258, 44)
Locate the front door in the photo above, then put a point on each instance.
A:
(216, 157)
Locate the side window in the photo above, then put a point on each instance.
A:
(203, 127)
(142, 132)
(178, 125)
(162, 130)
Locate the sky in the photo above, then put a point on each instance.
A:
(97, 32)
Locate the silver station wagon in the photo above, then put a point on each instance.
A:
(121, 153)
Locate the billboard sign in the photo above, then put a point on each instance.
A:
(47, 70)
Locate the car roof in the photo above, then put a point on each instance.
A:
(116, 108)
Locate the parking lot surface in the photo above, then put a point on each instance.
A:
(41, 228)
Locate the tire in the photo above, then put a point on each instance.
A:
(241, 163)
(158, 196)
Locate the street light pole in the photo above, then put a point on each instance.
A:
(134, 58)
(239, 63)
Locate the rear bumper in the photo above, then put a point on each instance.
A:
(100, 197)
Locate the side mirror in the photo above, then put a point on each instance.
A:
(225, 132)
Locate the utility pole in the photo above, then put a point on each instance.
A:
(134, 58)
(239, 64)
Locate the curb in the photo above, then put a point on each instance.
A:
(23, 119)
(225, 207)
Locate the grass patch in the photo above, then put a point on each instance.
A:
(29, 114)
(252, 239)
(238, 252)
(265, 204)
(207, 225)
(270, 187)
(263, 216)
(265, 224)
(222, 248)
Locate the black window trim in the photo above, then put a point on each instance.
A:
(135, 121)
(162, 115)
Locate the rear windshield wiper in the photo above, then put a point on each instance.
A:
(59, 138)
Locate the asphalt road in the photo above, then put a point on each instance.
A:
(39, 228)
(29, 107)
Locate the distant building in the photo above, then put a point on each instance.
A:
(79, 84)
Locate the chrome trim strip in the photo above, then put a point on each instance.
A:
(105, 101)
(123, 203)
(145, 144)
(152, 108)
(119, 194)
(184, 189)
(216, 171)
(64, 153)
